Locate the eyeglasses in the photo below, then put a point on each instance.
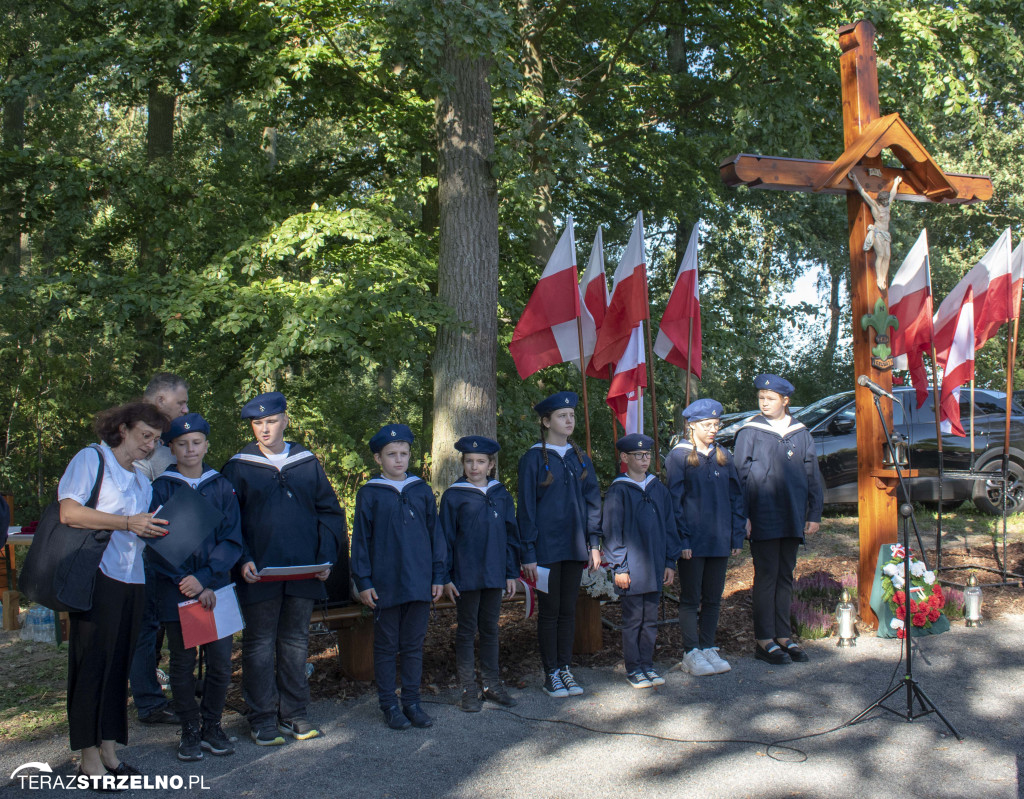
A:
(709, 425)
(641, 456)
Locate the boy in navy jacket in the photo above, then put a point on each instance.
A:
(206, 570)
(290, 517)
(641, 546)
(398, 564)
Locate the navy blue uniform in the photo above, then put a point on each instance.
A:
(783, 490)
(781, 479)
(560, 521)
(290, 517)
(708, 500)
(211, 565)
(397, 547)
(479, 526)
(640, 536)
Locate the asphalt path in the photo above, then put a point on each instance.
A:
(693, 737)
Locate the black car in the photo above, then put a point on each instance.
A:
(832, 423)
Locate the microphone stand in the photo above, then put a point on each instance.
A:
(911, 685)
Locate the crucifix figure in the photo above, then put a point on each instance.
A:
(879, 238)
(856, 172)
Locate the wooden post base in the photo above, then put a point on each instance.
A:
(11, 601)
(355, 649)
(588, 625)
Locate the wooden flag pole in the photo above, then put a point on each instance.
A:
(583, 378)
(1011, 357)
(938, 439)
(972, 423)
(689, 364)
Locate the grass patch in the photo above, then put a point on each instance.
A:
(33, 689)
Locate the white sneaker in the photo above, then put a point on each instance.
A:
(695, 663)
(716, 661)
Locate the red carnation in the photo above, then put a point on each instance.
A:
(920, 618)
(899, 598)
(933, 614)
(936, 589)
(913, 606)
(901, 633)
(900, 612)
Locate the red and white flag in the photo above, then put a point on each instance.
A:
(1017, 272)
(959, 367)
(546, 333)
(679, 340)
(625, 395)
(594, 302)
(628, 305)
(910, 301)
(991, 284)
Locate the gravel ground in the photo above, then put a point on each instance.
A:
(974, 676)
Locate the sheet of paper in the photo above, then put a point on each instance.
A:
(201, 626)
(272, 573)
(542, 578)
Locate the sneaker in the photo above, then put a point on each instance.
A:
(266, 736)
(716, 661)
(500, 695)
(570, 683)
(395, 718)
(638, 679)
(189, 746)
(695, 664)
(299, 729)
(653, 676)
(417, 716)
(215, 741)
(471, 701)
(162, 716)
(553, 685)
(162, 678)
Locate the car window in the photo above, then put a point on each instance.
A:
(813, 414)
(985, 402)
(850, 413)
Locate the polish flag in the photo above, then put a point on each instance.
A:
(991, 284)
(910, 301)
(628, 305)
(625, 396)
(1017, 272)
(594, 303)
(680, 324)
(546, 333)
(959, 367)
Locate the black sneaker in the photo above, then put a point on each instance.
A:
(395, 718)
(162, 716)
(417, 716)
(189, 746)
(570, 683)
(266, 736)
(553, 685)
(471, 701)
(215, 741)
(299, 729)
(499, 693)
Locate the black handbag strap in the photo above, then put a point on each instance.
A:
(95, 495)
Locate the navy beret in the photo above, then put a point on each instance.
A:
(268, 404)
(479, 445)
(635, 442)
(774, 383)
(563, 399)
(702, 409)
(189, 423)
(390, 434)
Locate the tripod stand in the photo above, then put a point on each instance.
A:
(908, 683)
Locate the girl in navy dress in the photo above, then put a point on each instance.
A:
(478, 518)
(711, 518)
(559, 514)
(778, 464)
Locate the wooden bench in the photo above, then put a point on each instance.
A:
(354, 627)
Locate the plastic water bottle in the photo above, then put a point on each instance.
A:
(47, 633)
(28, 627)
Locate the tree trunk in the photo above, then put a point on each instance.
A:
(429, 221)
(15, 241)
(829, 355)
(544, 239)
(465, 360)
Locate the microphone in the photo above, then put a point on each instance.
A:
(874, 388)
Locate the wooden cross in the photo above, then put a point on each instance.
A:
(865, 135)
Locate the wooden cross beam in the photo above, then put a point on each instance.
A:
(866, 134)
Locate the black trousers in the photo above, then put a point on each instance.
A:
(398, 634)
(639, 629)
(774, 562)
(556, 613)
(477, 611)
(100, 646)
(217, 658)
(701, 583)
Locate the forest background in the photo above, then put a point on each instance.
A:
(351, 201)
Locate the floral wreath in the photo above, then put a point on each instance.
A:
(926, 599)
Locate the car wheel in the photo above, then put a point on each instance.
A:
(988, 494)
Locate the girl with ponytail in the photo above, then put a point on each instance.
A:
(711, 519)
(559, 515)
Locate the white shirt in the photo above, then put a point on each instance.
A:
(157, 462)
(780, 426)
(123, 493)
(279, 458)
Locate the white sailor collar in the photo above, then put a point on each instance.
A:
(176, 475)
(398, 486)
(625, 478)
(760, 423)
(466, 485)
(259, 458)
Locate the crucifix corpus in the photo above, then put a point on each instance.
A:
(858, 173)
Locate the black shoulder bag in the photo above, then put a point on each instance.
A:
(60, 567)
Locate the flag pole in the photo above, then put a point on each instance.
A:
(1011, 357)
(972, 423)
(938, 439)
(583, 378)
(615, 427)
(654, 392)
(689, 351)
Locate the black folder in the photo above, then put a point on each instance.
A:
(191, 519)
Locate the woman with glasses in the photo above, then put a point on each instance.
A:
(710, 516)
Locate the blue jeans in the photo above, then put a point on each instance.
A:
(398, 633)
(275, 644)
(639, 629)
(146, 691)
